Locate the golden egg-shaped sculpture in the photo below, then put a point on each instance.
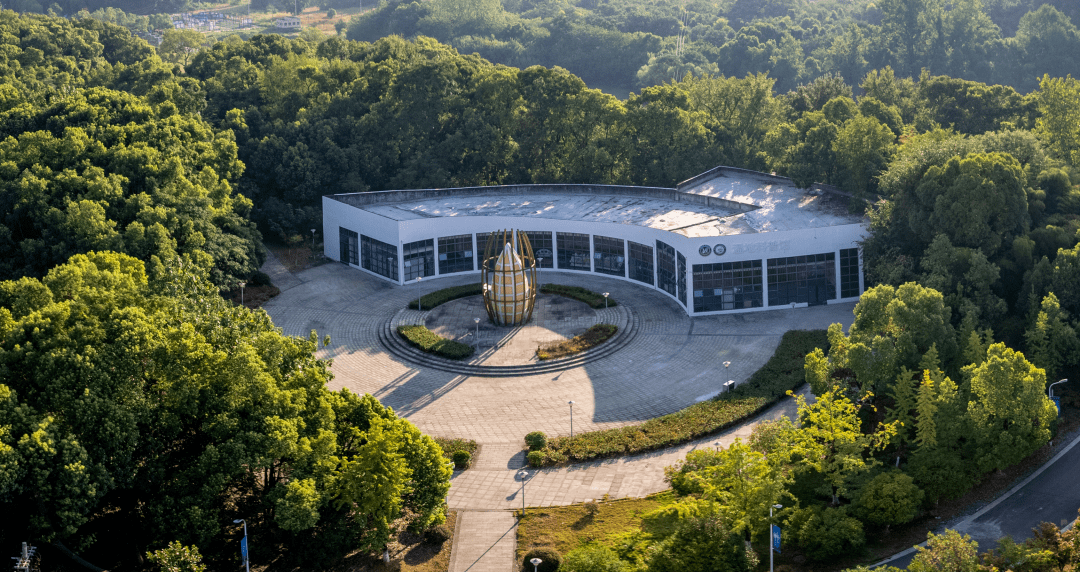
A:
(509, 280)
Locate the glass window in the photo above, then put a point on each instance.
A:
(727, 286)
(666, 274)
(481, 250)
(542, 248)
(455, 254)
(574, 251)
(797, 279)
(348, 243)
(641, 263)
(609, 256)
(379, 257)
(682, 277)
(849, 272)
(419, 258)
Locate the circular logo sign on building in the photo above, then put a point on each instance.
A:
(719, 249)
(704, 250)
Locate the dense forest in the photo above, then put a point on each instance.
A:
(625, 45)
(134, 189)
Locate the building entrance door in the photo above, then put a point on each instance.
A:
(818, 292)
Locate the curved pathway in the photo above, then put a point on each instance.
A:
(673, 361)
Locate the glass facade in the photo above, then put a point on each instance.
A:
(543, 248)
(727, 286)
(348, 241)
(455, 254)
(666, 275)
(574, 251)
(419, 258)
(849, 272)
(481, 251)
(641, 263)
(379, 257)
(608, 255)
(797, 279)
(682, 277)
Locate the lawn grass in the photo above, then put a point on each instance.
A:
(592, 337)
(432, 343)
(782, 373)
(565, 528)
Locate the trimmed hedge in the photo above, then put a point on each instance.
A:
(578, 293)
(592, 337)
(432, 343)
(445, 295)
(782, 373)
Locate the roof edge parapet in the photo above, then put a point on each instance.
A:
(361, 200)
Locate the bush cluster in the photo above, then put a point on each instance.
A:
(445, 295)
(578, 293)
(461, 459)
(432, 343)
(550, 559)
(592, 337)
(783, 372)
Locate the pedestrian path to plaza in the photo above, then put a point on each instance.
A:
(671, 362)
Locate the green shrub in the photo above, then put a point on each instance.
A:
(701, 544)
(783, 372)
(681, 474)
(536, 440)
(260, 278)
(432, 343)
(889, 498)
(578, 293)
(439, 297)
(549, 556)
(451, 445)
(592, 558)
(826, 533)
(461, 459)
(331, 13)
(535, 458)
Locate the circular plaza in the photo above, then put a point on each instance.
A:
(672, 360)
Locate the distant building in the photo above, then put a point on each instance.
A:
(288, 22)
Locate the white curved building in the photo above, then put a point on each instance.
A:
(728, 240)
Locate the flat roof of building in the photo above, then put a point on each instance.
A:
(721, 202)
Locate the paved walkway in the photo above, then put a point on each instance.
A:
(674, 361)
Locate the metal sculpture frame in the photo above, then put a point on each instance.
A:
(495, 244)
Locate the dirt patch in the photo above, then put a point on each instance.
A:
(252, 296)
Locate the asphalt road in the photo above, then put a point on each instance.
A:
(1052, 494)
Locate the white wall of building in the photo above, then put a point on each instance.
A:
(742, 247)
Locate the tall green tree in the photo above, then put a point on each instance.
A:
(1009, 409)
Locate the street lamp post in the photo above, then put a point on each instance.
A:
(1050, 390)
(242, 284)
(313, 241)
(776, 506)
(523, 475)
(420, 298)
(571, 419)
(536, 564)
(605, 300)
(477, 322)
(243, 544)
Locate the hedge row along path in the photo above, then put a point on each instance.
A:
(672, 362)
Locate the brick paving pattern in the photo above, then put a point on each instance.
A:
(672, 362)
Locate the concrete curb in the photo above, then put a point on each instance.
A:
(994, 503)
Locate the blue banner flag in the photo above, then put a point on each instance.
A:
(776, 538)
(243, 548)
(1057, 403)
